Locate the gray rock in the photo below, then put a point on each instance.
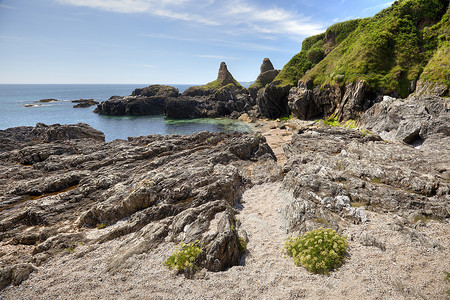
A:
(335, 175)
(409, 120)
(161, 188)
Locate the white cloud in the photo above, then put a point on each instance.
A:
(242, 15)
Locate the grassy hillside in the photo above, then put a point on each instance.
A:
(400, 44)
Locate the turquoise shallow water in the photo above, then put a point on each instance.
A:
(14, 97)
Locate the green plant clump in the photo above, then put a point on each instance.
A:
(101, 225)
(319, 251)
(242, 245)
(184, 258)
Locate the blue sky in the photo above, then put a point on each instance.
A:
(158, 41)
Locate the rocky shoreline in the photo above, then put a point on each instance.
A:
(66, 195)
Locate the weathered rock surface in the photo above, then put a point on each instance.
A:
(266, 76)
(346, 103)
(411, 120)
(336, 174)
(59, 183)
(307, 104)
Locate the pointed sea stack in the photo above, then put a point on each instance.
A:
(224, 76)
(266, 76)
(266, 65)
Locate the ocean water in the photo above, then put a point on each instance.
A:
(13, 112)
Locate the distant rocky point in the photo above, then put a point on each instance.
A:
(47, 100)
(84, 103)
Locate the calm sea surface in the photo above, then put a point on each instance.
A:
(14, 97)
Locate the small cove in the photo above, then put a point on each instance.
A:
(14, 97)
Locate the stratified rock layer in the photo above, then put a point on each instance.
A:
(153, 189)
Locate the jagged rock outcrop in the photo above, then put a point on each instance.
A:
(411, 120)
(346, 103)
(143, 101)
(59, 183)
(307, 104)
(224, 76)
(156, 91)
(272, 100)
(335, 175)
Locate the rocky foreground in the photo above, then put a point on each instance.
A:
(82, 218)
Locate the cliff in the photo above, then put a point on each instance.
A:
(391, 51)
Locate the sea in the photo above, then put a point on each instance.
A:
(19, 107)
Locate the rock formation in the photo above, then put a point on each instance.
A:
(60, 183)
(84, 103)
(143, 101)
(224, 77)
(222, 97)
(272, 100)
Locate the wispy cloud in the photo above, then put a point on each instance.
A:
(7, 6)
(217, 57)
(378, 7)
(142, 65)
(244, 15)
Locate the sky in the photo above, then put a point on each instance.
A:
(158, 41)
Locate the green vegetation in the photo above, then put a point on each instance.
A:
(101, 225)
(184, 258)
(320, 251)
(376, 180)
(401, 44)
(349, 124)
(217, 84)
(286, 118)
(242, 245)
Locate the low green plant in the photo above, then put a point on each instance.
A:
(101, 225)
(184, 258)
(319, 251)
(376, 180)
(286, 118)
(242, 245)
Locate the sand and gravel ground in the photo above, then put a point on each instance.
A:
(402, 271)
